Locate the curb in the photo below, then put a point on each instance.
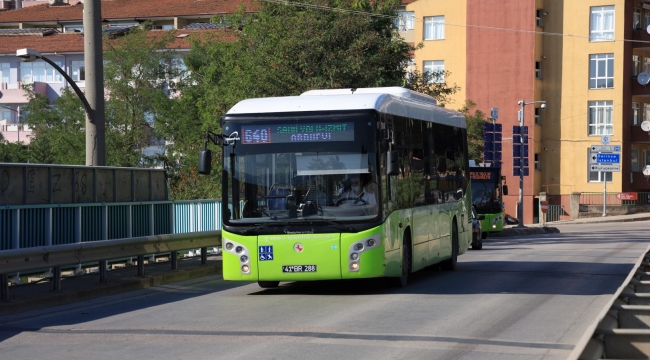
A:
(601, 220)
(49, 298)
(509, 232)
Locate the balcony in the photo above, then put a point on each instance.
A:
(15, 133)
(16, 94)
(639, 136)
(640, 35)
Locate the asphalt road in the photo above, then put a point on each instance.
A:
(518, 298)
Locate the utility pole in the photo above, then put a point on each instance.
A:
(522, 157)
(94, 69)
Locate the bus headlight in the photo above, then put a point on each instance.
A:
(371, 242)
(354, 256)
(229, 246)
(239, 249)
(358, 247)
(245, 268)
(243, 258)
(354, 266)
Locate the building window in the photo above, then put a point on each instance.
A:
(637, 19)
(634, 159)
(601, 71)
(646, 112)
(73, 28)
(538, 17)
(538, 69)
(646, 159)
(601, 118)
(538, 116)
(601, 27)
(538, 165)
(436, 70)
(78, 71)
(4, 73)
(636, 65)
(405, 20)
(635, 113)
(39, 71)
(6, 114)
(647, 19)
(434, 28)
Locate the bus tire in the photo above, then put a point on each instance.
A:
(452, 263)
(478, 245)
(406, 262)
(268, 284)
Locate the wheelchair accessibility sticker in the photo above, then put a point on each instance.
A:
(266, 253)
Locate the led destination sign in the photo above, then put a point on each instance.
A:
(297, 133)
(481, 175)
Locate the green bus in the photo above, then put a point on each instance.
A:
(342, 184)
(487, 197)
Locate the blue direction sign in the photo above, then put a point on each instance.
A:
(517, 130)
(516, 161)
(608, 158)
(492, 137)
(517, 139)
(516, 150)
(516, 172)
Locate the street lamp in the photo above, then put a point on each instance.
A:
(18, 112)
(29, 55)
(520, 203)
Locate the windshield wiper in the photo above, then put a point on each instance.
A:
(339, 225)
(263, 226)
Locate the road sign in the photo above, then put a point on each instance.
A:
(544, 207)
(516, 161)
(605, 148)
(608, 158)
(494, 113)
(604, 139)
(628, 196)
(517, 139)
(516, 172)
(517, 131)
(607, 168)
(492, 137)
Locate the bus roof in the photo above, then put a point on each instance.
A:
(390, 100)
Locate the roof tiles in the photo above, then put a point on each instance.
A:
(126, 9)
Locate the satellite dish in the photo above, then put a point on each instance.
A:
(646, 170)
(645, 126)
(648, 29)
(643, 78)
(27, 79)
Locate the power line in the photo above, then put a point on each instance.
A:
(493, 28)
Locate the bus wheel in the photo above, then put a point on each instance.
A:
(478, 244)
(268, 284)
(451, 263)
(406, 264)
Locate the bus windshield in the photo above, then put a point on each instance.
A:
(300, 170)
(486, 191)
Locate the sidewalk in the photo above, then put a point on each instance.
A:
(79, 288)
(533, 229)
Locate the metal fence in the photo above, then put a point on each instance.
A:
(595, 198)
(555, 213)
(25, 226)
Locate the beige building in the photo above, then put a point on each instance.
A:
(586, 59)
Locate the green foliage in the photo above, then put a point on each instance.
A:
(12, 152)
(475, 121)
(429, 83)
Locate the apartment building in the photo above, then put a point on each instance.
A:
(55, 29)
(586, 59)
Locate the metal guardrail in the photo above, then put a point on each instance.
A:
(72, 254)
(622, 329)
(555, 213)
(596, 198)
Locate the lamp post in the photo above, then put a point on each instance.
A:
(95, 147)
(520, 203)
(18, 120)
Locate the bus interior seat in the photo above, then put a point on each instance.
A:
(275, 204)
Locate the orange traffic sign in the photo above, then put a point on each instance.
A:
(544, 206)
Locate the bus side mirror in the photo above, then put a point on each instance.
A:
(505, 189)
(205, 162)
(392, 162)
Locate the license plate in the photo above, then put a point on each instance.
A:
(298, 268)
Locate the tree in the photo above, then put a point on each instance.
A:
(138, 81)
(431, 83)
(475, 120)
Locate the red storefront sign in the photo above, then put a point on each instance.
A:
(628, 196)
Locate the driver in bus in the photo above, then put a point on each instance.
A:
(356, 194)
